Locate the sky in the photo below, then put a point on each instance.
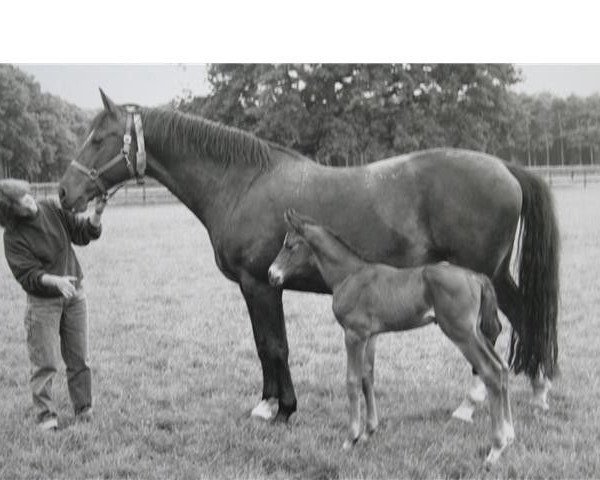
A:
(148, 85)
(157, 84)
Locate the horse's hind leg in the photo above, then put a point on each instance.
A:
(510, 302)
(368, 381)
(355, 351)
(541, 386)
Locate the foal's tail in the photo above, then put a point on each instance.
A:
(488, 311)
(533, 344)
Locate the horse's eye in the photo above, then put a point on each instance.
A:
(96, 141)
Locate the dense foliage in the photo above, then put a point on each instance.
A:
(337, 114)
(39, 132)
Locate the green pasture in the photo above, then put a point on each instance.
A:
(175, 374)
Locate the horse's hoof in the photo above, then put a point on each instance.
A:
(465, 411)
(266, 409)
(281, 418)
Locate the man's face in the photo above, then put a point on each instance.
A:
(27, 206)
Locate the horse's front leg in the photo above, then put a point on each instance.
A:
(268, 326)
(355, 351)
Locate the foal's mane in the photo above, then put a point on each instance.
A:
(176, 131)
(343, 242)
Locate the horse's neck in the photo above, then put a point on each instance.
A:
(335, 261)
(207, 186)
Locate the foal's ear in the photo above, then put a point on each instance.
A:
(294, 221)
(109, 105)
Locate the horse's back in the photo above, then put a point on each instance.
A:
(460, 205)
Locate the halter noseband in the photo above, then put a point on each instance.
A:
(136, 170)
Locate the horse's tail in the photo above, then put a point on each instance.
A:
(533, 344)
(488, 311)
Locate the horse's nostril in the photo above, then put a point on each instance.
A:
(61, 193)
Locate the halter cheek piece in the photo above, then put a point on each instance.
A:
(136, 170)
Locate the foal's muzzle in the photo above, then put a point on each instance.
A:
(275, 276)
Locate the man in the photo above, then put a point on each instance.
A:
(38, 241)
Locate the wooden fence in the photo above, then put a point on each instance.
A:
(566, 175)
(153, 192)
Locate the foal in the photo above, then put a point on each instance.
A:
(373, 298)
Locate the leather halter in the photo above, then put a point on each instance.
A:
(136, 170)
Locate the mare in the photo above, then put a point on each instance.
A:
(423, 207)
(372, 298)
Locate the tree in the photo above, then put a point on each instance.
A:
(39, 133)
(347, 114)
(20, 137)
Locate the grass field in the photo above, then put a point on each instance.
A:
(176, 372)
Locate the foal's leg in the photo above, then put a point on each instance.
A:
(475, 396)
(368, 381)
(477, 392)
(510, 302)
(464, 334)
(355, 350)
(493, 375)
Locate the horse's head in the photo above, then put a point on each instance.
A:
(295, 259)
(103, 160)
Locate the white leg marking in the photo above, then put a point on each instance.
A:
(266, 409)
(476, 395)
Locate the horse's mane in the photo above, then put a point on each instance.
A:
(176, 131)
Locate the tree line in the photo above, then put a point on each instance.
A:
(340, 114)
(337, 114)
(39, 132)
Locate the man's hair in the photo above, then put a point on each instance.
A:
(11, 192)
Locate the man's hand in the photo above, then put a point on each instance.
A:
(65, 285)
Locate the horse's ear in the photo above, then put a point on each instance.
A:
(294, 221)
(109, 105)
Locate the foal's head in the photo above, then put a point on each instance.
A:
(295, 259)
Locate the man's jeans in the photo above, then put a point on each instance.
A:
(52, 323)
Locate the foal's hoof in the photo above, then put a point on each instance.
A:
(496, 452)
(266, 409)
(349, 444)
